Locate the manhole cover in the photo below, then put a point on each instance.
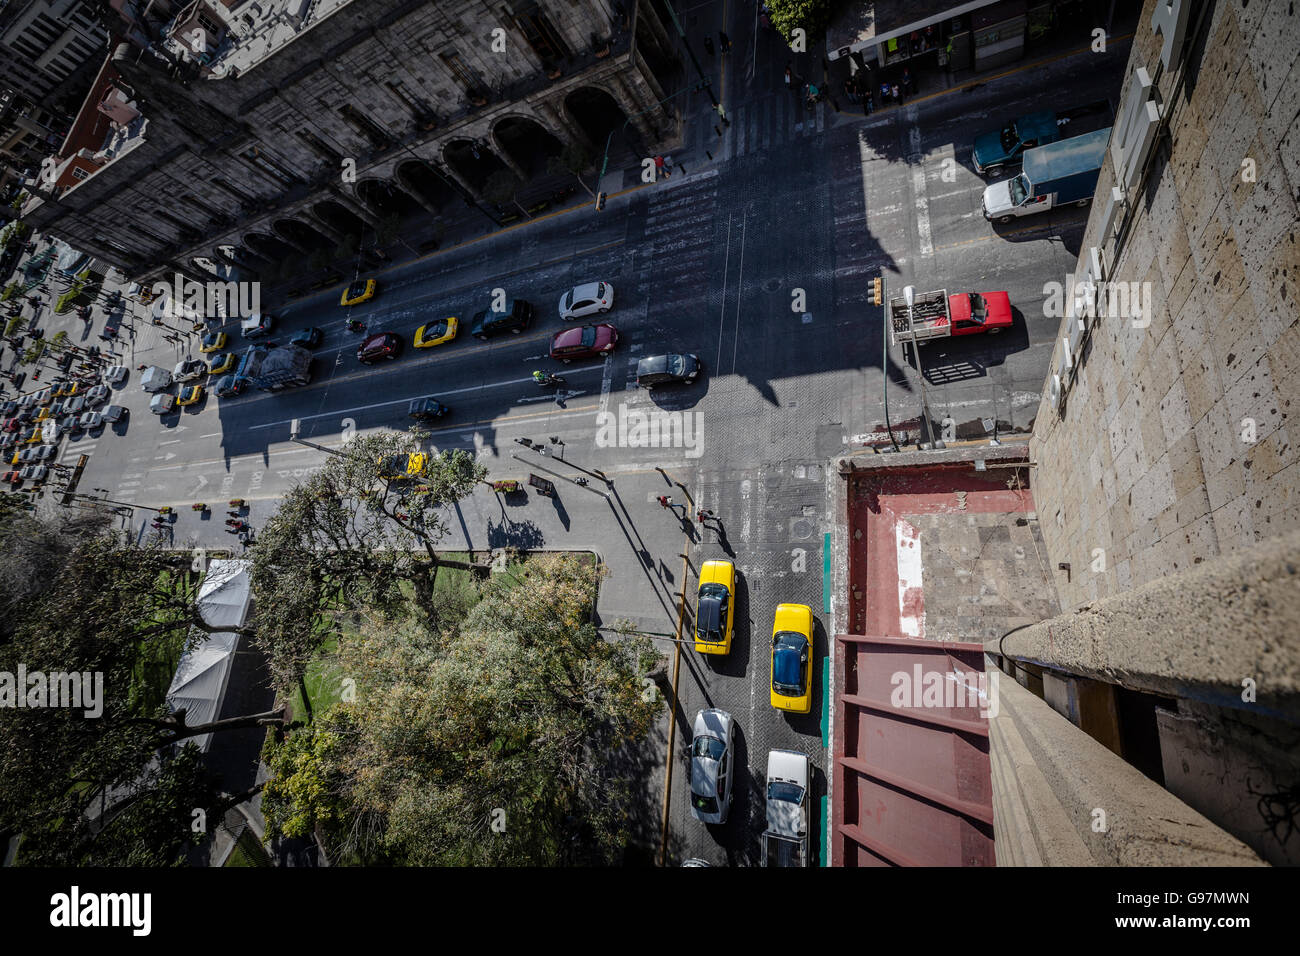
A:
(772, 285)
(801, 529)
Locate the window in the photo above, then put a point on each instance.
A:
(318, 146)
(538, 31)
(464, 76)
(237, 193)
(80, 173)
(363, 125)
(255, 156)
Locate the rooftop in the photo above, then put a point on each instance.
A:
(249, 32)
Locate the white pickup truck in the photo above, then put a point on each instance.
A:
(785, 841)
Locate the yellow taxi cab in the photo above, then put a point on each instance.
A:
(363, 290)
(190, 394)
(212, 342)
(715, 607)
(43, 414)
(221, 362)
(792, 654)
(436, 333)
(397, 467)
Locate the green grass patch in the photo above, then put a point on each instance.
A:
(248, 851)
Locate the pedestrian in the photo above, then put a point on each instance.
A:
(789, 77)
(659, 167)
(708, 45)
(724, 41)
(909, 85)
(668, 165)
(898, 98)
(665, 501)
(884, 93)
(850, 89)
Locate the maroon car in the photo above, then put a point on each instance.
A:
(588, 341)
(381, 345)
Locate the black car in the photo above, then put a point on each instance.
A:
(381, 345)
(516, 317)
(667, 370)
(307, 338)
(426, 410)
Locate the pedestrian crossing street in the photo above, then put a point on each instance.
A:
(773, 119)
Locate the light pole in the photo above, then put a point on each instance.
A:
(295, 428)
(909, 294)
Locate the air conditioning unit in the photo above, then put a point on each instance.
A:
(1054, 391)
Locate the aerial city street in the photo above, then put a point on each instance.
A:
(351, 349)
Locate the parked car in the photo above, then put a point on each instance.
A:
(92, 420)
(213, 342)
(360, 291)
(34, 473)
(45, 452)
(74, 406)
(712, 771)
(114, 413)
(231, 385)
(12, 477)
(97, 395)
(221, 362)
(715, 607)
(155, 379)
(70, 424)
(9, 408)
(162, 404)
(13, 424)
(785, 841)
(256, 326)
(792, 652)
(436, 333)
(307, 338)
(588, 341)
(587, 299)
(190, 370)
(116, 374)
(381, 345)
(8, 439)
(672, 369)
(190, 395)
(514, 318)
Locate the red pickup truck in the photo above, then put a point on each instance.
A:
(936, 315)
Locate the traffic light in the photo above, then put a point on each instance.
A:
(877, 291)
(600, 201)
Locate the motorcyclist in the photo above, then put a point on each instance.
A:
(541, 378)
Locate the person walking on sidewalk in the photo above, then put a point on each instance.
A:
(789, 77)
(724, 41)
(665, 501)
(659, 168)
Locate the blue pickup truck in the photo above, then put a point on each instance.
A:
(999, 149)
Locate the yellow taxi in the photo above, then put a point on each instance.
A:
(43, 414)
(190, 394)
(212, 342)
(792, 654)
(363, 290)
(221, 362)
(436, 333)
(715, 607)
(400, 466)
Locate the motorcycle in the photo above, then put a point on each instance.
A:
(547, 380)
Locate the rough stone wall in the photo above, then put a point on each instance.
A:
(1153, 461)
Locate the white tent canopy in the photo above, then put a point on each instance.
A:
(200, 680)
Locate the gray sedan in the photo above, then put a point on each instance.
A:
(712, 771)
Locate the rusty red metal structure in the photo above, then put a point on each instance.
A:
(912, 780)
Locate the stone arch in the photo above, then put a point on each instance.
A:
(268, 246)
(338, 216)
(383, 197)
(472, 161)
(420, 178)
(596, 112)
(526, 141)
(302, 233)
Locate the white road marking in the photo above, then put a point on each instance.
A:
(924, 244)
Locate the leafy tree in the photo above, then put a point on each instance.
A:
(573, 158)
(502, 741)
(346, 538)
(811, 15)
(503, 187)
(120, 787)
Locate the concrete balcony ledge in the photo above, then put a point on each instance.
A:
(1214, 634)
(1060, 798)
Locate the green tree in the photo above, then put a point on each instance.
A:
(573, 158)
(810, 15)
(346, 538)
(503, 187)
(505, 740)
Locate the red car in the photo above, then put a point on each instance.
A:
(979, 312)
(11, 478)
(381, 345)
(588, 341)
(13, 424)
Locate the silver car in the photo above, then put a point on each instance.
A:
(90, 420)
(34, 473)
(590, 298)
(712, 772)
(116, 374)
(97, 396)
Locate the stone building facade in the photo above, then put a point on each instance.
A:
(1166, 439)
(267, 130)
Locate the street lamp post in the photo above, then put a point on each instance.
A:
(909, 294)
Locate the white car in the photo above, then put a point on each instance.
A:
(588, 299)
(189, 371)
(162, 403)
(97, 395)
(34, 473)
(44, 452)
(785, 841)
(116, 374)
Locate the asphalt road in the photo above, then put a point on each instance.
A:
(758, 263)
